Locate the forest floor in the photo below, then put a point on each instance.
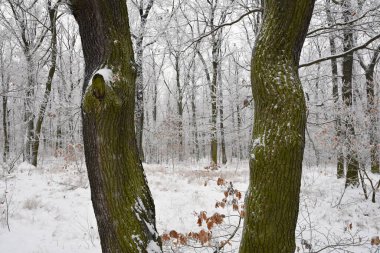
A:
(48, 209)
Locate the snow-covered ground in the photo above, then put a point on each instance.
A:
(49, 208)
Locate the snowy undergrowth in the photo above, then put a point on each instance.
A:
(50, 208)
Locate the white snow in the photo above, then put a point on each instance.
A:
(153, 247)
(107, 74)
(50, 208)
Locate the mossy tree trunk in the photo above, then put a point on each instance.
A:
(122, 201)
(278, 137)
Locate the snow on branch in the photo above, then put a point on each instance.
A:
(341, 54)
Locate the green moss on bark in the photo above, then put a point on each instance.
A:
(122, 201)
(279, 129)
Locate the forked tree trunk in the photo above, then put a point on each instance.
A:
(279, 129)
(122, 201)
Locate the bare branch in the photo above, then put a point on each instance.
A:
(341, 54)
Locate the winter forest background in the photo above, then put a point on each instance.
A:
(194, 117)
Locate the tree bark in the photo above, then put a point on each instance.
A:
(5, 118)
(278, 140)
(215, 63)
(194, 123)
(122, 201)
(335, 92)
(179, 106)
(28, 107)
(373, 115)
(41, 114)
(352, 175)
(221, 117)
(139, 110)
(372, 112)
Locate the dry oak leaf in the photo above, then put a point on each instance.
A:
(204, 236)
(173, 234)
(220, 181)
(375, 241)
(165, 237)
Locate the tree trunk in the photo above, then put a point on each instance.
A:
(5, 84)
(179, 107)
(139, 97)
(5, 124)
(278, 140)
(139, 110)
(214, 137)
(122, 201)
(335, 92)
(214, 145)
(372, 112)
(215, 63)
(374, 121)
(28, 107)
(221, 117)
(352, 176)
(46, 99)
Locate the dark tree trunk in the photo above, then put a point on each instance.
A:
(122, 201)
(372, 112)
(5, 125)
(5, 119)
(214, 84)
(179, 107)
(194, 115)
(214, 137)
(221, 117)
(139, 110)
(335, 92)
(352, 176)
(373, 116)
(28, 107)
(278, 137)
(46, 99)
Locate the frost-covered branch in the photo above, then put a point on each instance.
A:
(354, 49)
